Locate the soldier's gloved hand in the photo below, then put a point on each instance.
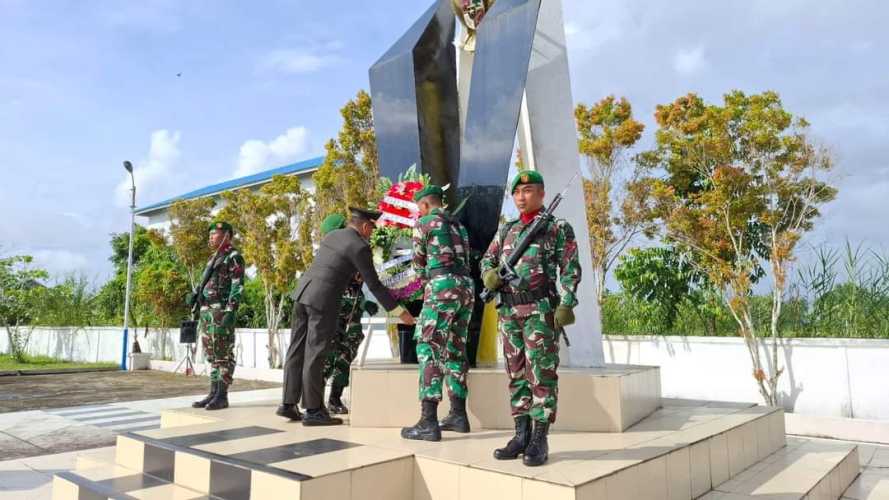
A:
(492, 280)
(228, 319)
(563, 317)
(371, 308)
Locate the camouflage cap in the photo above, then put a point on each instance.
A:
(529, 177)
(430, 190)
(332, 222)
(221, 226)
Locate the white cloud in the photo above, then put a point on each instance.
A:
(156, 176)
(59, 262)
(257, 155)
(301, 60)
(688, 61)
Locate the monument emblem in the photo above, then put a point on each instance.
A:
(456, 113)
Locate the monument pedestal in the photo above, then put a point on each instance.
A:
(609, 399)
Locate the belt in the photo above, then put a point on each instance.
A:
(441, 271)
(526, 297)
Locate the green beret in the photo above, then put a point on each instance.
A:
(221, 226)
(527, 177)
(430, 190)
(332, 222)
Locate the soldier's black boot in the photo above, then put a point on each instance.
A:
(516, 446)
(334, 403)
(220, 400)
(427, 428)
(537, 451)
(202, 403)
(456, 420)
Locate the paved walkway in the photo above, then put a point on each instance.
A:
(41, 432)
(43, 392)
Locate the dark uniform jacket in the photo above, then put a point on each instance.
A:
(342, 253)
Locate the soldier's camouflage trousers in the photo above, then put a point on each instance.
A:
(441, 337)
(531, 350)
(218, 340)
(342, 352)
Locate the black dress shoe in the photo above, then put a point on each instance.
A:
(320, 417)
(289, 411)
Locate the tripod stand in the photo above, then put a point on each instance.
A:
(188, 360)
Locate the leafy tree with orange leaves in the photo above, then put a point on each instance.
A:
(617, 206)
(743, 182)
(274, 225)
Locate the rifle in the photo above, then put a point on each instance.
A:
(507, 271)
(188, 328)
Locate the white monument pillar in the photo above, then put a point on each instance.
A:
(548, 138)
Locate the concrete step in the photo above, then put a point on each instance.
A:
(803, 469)
(679, 452)
(607, 399)
(117, 483)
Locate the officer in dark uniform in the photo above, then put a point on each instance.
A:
(342, 253)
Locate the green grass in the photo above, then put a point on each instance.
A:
(8, 363)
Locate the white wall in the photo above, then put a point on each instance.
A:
(822, 377)
(104, 344)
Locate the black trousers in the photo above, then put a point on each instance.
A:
(407, 346)
(311, 334)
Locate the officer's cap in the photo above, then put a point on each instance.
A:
(363, 213)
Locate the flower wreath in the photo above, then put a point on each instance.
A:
(391, 241)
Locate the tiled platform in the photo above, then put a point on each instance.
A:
(609, 399)
(684, 450)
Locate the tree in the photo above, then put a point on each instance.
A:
(69, 303)
(161, 289)
(110, 299)
(663, 277)
(349, 174)
(273, 225)
(742, 185)
(189, 221)
(20, 296)
(616, 203)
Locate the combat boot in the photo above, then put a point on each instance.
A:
(427, 428)
(456, 420)
(537, 451)
(516, 446)
(220, 400)
(335, 403)
(202, 403)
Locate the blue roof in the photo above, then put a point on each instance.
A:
(295, 168)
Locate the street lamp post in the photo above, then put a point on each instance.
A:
(126, 308)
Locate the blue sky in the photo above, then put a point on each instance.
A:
(87, 84)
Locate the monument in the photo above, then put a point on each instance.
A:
(460, 127)
(625, 441)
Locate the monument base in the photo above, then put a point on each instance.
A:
(609, 399)
(682, 451)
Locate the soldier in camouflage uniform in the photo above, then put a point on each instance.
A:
(532, 314)
(349, 333)
(219, 304)
(441, 246)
